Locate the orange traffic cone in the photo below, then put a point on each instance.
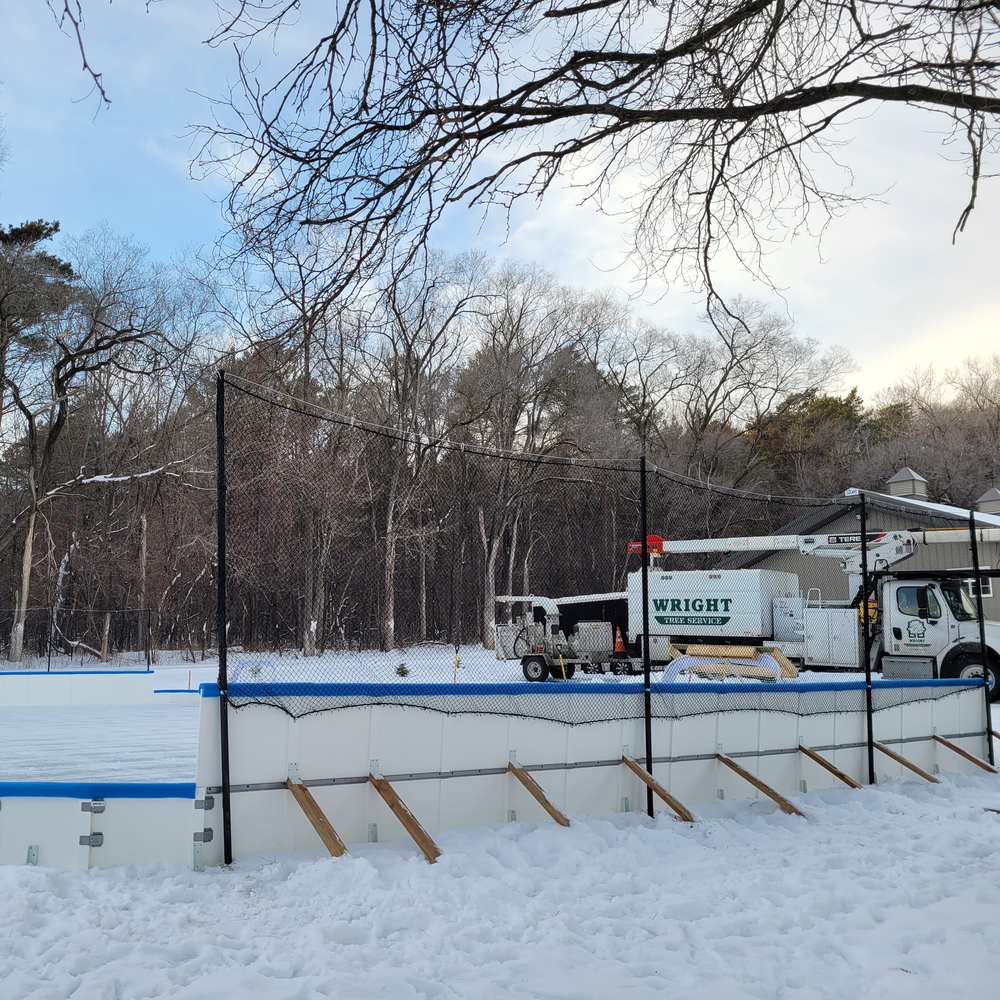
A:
(619, 645)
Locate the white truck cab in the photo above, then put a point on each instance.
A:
(930, 628)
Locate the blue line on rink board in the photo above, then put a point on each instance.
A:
(98, 789)
(291, 689)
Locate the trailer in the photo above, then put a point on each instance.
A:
(552, 639)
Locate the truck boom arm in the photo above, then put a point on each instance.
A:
(884, 548)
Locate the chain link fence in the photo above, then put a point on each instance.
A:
(365, 563)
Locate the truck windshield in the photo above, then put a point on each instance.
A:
(958, 600)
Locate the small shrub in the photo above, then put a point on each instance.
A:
(403, 670)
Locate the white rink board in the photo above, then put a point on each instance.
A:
(137, 827)
(158, 821)
(265, 742)
(71, 687)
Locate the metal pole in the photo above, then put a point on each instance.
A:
(220, 524)
(48, 645)
(865, 591)
(983, 651)
(149, 638)
(647, 707)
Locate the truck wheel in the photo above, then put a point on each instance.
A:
(534, 668)
(971, 665)
(556, 671)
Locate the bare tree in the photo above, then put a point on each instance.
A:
(410, 356)
(404, 108)
(119, 318)
(516, 391)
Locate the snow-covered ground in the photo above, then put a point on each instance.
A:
(430, 662)
(886, 893)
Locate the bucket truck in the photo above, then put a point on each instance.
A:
(923, 627)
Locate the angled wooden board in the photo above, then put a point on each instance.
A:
(317, 817)
(832, 768)
(536, 791)
(906, 763)
(678, 807)
(758, 784)
(410, 823)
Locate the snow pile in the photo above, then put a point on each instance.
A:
(890, 893)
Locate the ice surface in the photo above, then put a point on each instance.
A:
(98, 743)
(887, 893)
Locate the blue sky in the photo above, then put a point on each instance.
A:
(888, 284)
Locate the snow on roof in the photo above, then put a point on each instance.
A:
(958, 513)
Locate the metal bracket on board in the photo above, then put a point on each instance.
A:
(204, 836)
(373, 768)
(93, 840)
(93, 806)
(293, 772)
(208, 802)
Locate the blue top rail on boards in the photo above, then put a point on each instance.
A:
(292, 689)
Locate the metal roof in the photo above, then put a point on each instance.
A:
(591, 598)
(923, 513)
(906, 474)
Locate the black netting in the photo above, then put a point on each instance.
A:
(576, 703)
(368, 556)
(367, 564)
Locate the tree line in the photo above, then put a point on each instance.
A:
(360, 537)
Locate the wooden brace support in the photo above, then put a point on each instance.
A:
(678, 807)
(962, 753)
(317, 817)
(757, 783)
(535, 789)
(835, 771)
(410, 823)
(906, 763)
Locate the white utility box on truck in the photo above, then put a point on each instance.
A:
(726, 605)
(703, 603)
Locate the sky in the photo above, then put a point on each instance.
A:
(886, 283)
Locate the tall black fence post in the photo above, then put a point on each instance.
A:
(647, 706)
(983, 650)
(867, 639)
(220, 523)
